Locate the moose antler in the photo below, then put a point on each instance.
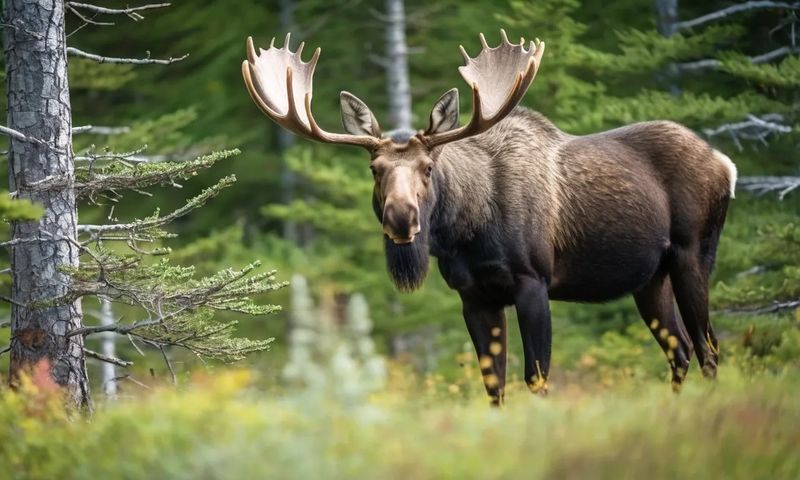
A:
(499, 77)
(281, 83)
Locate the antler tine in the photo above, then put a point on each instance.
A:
(499, 77)
(464, 54)
(281, 85)
(483, 41)
(503, 36)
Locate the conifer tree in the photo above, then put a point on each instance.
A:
(125, 262)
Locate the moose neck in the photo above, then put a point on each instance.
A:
(456, 207)
(474, 181)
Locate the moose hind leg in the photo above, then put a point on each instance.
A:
(487, 328)
(689, 275)
(657, 308)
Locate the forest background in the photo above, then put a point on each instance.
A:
(305, 209)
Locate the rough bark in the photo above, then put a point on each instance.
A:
(398, 84)
(39, 106)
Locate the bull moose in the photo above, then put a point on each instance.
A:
(518, 212)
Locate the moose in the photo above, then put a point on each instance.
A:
(518, 212)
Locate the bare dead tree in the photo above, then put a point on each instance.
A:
(396, 62)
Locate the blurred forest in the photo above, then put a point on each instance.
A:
(304, 209)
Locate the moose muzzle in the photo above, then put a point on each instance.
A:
(401, 221)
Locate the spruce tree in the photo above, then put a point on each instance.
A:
(126, 262)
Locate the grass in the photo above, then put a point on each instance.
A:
(224, 426)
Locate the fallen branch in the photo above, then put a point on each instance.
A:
(135, 61)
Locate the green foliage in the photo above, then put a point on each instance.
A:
(88, 75)
(13, 209)
(775, 275)
(603, 67)
(124, 171)
(785, 74)
(221, 428)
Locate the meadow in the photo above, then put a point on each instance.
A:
(229, 425)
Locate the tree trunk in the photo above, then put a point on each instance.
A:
(286, 139)
(667, 16)
(39, 107)
(667, 19)
(398, 84)
(108, 348)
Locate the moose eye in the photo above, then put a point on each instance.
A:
(429, 170)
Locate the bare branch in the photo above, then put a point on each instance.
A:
(775, 307)
(106, 358)
(158, 221)
(131, 12)
(88, 21)
(763, 185)
(135, 61)
(121, 329)
(11, 301)
(733, 9)
(21, 136)
(169, 364)
(137, 382)
(99, 130)
(5, 350)
(754, 128)
(714, 63)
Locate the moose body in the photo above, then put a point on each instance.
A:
(517, 212)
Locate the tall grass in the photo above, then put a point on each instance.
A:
(224, 427)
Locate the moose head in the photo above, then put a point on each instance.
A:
(402, 163)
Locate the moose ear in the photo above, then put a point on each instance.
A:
(357, 117)
(444, 115)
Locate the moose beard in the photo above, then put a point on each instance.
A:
(408, 263)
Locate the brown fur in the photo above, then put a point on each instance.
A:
(524, 213)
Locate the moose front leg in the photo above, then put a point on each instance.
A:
(533, 312)
(487, 328)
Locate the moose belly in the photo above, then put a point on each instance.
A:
(597, 270)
